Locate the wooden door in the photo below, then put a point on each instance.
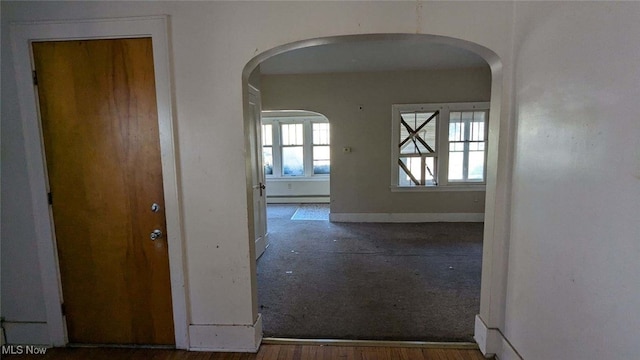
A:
(258, 177)
(100, 129)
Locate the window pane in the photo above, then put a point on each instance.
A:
(292, 161)
(321, 157)
(427, 133)
(477, 131)
(430, 171)
(479, 117)
(413, 165)
(476, 165)
(456, 129)
(455, 165)
(321, 134)
(414, 174)
(456, 146)
(292, 134)
(267, 135)
(267, 160)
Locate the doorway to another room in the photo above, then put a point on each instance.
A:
(400, 255)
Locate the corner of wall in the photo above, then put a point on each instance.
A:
(226, 338)
(492, 342)
(487, 339)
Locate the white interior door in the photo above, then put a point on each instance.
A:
(258, 179)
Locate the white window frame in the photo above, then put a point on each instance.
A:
(442, 146)
(307, 122)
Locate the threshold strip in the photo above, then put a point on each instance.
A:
(378, 343)
(122, 346)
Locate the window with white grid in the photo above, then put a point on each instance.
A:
(296, 146)
(439, 145)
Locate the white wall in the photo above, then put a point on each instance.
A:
(574, 274)
(358, 106)
(211, 42)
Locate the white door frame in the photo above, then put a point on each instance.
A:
(22, 34)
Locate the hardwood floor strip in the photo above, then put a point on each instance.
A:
(378, 343)
(266, 352)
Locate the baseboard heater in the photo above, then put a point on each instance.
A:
(295, 199)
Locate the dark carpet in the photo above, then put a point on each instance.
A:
(369, 281)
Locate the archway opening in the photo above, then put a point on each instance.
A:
(450, 78)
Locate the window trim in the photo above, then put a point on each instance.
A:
(442, 146)
(276, 118)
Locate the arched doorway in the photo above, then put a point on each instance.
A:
(496, 215)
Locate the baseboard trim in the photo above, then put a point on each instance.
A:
(226, 338)
(491, 342)
(261, 245)
(507, 352)
(298, 200)
(26, 333)
(406, 217)
(488, 339)
(370, 343)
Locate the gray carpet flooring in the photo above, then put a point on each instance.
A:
(369, 281)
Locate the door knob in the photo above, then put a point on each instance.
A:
(156, 234)
(155, 207)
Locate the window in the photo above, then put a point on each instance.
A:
(295, 145)
(321, 149)
(292, 149)
(267, 148)
(439, 145)
(467, 144)
(418, 147)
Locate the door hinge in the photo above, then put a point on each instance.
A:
(50, 198)
(34, 74)
(63, 309)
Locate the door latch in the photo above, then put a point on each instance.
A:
(156, 234)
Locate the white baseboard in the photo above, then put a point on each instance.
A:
(492, 342)
(261, 245)
(406, 217)
(18, 333)
(507, 352)
(226, 338)
(488, 339)
(298, 200)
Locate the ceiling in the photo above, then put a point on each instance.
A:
(370, 56)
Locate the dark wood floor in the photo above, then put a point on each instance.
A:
(267, 352)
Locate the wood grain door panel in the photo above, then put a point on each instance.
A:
(100, 129)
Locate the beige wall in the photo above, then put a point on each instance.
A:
(358, 106)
